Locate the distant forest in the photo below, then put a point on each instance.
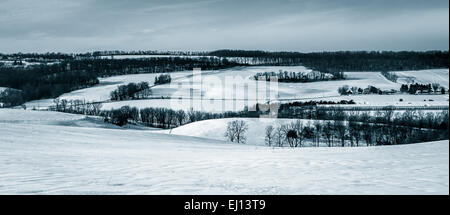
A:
(44, 81)
(332, 62)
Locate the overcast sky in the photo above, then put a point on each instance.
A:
(201, 25)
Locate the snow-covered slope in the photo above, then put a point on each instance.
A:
(101, 92)
(424, 76)
(20, 116)
(215, 128)
(37, 157)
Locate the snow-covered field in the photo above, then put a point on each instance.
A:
(387, 100)
(39, 156)
(213, 97)
(233, 89)
(424, 77)
(224, 90)
(19, 116)
(102, 91)
(218, 85)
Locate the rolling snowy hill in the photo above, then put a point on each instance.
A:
(216, 128)
(38, 157)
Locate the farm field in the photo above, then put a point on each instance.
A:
(424, 77)
(101, 92)
(217, 87)
(233, 89)
(92, 160)
(215, 97)
(387, 100)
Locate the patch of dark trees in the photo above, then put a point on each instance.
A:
(11, 97)
(44, 81)
(320, 61)
(112, 67)
(131, 91)
(162, 79)
(298, 77)
(422, 88)
(415, 88)
(121, 116)
(284, 106)
(37, 56)
(141, 52)
(331, 62)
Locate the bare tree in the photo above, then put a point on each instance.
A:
(63, 104)
(298, 128)
(236, 131)
(181, 116)
(388, 112)
(229, 133)
(171, 116)
(354, 131)
(279, 135)
(160, 116)
(269, 138)
(341, 131)
(191, 115)
(318, 131)
(367, 133)
(292, 137)
(327, 132)
(96, 108)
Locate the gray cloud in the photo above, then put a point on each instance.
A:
(297, 25)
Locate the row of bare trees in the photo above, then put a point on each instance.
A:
(386, 115)
(77, 106)
(163, 117)
(346, 133)
(343, 129)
